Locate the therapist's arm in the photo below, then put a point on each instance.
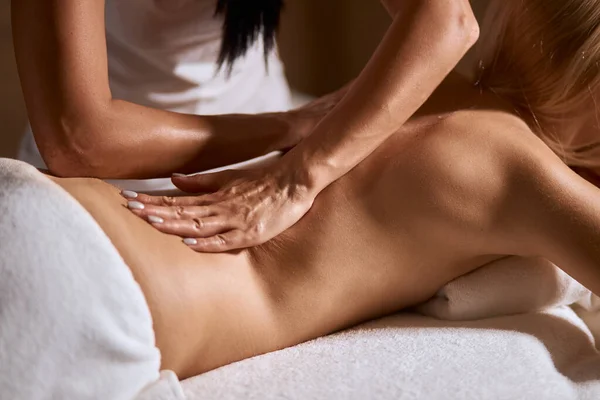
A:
(81, 130)
(425, 42)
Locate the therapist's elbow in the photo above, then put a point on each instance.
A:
(71, 151)
(469, 28)
(452, 21)
(460, 24)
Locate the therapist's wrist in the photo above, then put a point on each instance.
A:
(266, 132)
(307, 173)
(286, 129)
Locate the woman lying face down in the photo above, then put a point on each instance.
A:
(465, 182)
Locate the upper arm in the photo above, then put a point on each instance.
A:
(60, 48)
(562, 214)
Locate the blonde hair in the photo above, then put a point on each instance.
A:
(543, 56)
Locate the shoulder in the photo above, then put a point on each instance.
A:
(500, 131)
(528, 192)
(496, 143)
(498, 140)
(491, 172)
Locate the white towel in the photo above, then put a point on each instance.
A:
(74, 324)
(511, 285)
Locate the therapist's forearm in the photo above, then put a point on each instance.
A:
(424, 43)
(80, 130)
(125, 140)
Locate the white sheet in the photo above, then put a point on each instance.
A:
(548, 355)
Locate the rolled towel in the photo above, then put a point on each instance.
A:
(511, 285)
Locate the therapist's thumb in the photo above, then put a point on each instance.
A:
(202, 183)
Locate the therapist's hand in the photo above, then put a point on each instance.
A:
(243, 209)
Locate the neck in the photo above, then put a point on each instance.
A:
(457, 93)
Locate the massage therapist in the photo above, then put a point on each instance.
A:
(147, 88)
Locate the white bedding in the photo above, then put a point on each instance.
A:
(548, 355)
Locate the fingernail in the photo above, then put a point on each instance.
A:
(135, 205)
(190, 241)
(129, 194)
(155, 220)
(178, 175)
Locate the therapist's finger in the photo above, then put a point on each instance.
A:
(204, 182)
(193, 228)
(179, 212)
(218, 243)
(167, 201)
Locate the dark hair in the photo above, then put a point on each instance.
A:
(244, 21)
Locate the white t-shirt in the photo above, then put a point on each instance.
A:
(162, 54)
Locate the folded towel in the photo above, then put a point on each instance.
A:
(511, 285)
